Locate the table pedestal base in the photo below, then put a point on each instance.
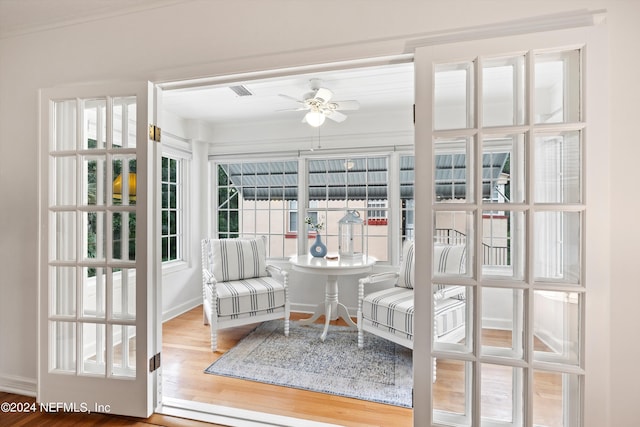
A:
(331, 308)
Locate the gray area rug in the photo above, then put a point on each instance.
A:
(380, 372)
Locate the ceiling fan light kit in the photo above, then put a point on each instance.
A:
(319, 106)
(314, 118)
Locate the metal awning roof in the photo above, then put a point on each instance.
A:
(365, 178)
(451, 170)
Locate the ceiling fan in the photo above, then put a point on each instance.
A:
(319, 105)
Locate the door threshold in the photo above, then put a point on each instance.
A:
(231, 417)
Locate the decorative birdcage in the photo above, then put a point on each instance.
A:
(351, 235)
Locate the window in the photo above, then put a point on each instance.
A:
(258, 199)
(294, 217)
(344, 183)
(407, 201)
(172, 209)
(377, 212)
(261, 198)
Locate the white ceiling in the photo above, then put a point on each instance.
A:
(377, 89)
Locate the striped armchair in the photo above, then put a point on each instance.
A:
(388, 313)
(239, 288)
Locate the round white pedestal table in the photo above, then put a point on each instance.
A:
(331, 308)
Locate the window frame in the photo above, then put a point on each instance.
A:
(392, 154)
(183, 156)
(394, 209)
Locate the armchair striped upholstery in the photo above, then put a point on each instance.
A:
(388, 313)
(238, 286)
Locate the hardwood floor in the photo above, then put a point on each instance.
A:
(186, 353)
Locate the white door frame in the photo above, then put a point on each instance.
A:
(69, 377)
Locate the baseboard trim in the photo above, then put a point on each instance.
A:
(497, 323)
(18, 385)
(181, 309)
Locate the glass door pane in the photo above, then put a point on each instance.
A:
(557, 87)
(453, 96)
(509, 191)
(556, 327)
(94, 124)
(451, 392)
(555, 402)
(64, 122)
(94, 280)
(502, 322)
(557, 240)
(63, 291)
(504, 160)
(502, 398)
(453, 174)
(503, 89)
(558, 173)
(503, 244)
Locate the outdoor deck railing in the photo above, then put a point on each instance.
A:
(491, 255)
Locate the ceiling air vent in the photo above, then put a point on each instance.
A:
(240, 90)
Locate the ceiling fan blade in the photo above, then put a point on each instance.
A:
(346, 105)
(336, 116)
(324, 94)
(292, 109)
(291, 98)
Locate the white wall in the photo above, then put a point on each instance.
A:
(205, 37)
(625, 205)
(182, 281)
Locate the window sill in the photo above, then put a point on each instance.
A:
(174, 266)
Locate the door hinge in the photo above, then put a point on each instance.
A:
(414, 114)
(154, 133)
(154, 362)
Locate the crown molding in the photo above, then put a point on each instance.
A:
(535, 24)
(376, 51)
(105, 10)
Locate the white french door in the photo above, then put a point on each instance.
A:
(98, 257)
(502, 132)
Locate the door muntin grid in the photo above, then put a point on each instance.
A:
(532, 211)
(92, 274)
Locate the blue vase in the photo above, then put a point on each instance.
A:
(318, 249)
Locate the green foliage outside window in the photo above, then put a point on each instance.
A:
(117, 218)
(170, 209)
(228, 207)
